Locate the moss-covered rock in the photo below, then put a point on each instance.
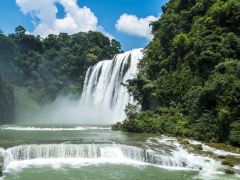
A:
(197, 147)
(224, 147)
(228, 171)
(231, 161)
(227, 163)
(184, 141)
(221, 157)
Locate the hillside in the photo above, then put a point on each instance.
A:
(189, 80)
(7, 104)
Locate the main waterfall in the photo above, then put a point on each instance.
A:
(103, 99)
(104, 91)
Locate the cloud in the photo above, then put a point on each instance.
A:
(133, 25)
(44, 16)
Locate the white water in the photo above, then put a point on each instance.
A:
(22, 128)
(56, 154)
(103, 85)
(182, 155)
(164, 152)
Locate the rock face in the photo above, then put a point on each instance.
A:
(7, 103)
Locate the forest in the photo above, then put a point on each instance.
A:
(47, 67)
(189, 80)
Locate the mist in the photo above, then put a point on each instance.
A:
(68, 110)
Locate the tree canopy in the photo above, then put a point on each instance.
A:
(52, 65)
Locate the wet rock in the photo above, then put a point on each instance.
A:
(197, 147)
(221, 156)
(185, 142)
(227, 170)
(227, 163)
(207, 160)
(231, 161)
(184, 164)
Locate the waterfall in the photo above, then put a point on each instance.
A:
(103, 99)
(103, 89)
(118, 152)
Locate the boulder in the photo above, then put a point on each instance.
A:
(197, 147)
(229, 171)
(231, 161)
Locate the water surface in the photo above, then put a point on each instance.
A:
(74, 152)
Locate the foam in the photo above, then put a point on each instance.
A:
(22, 128)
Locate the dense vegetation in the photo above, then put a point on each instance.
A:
(7, 104)
(189, 80)
(52, 65)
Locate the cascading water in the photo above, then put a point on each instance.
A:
(104, 89)
(163, 152)
(108, 152)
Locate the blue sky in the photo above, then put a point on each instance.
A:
(125, 20)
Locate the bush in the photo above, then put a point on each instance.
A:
(234, 136)
(150, 122)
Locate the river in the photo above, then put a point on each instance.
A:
(74, 152)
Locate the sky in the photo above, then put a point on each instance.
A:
(124, 20)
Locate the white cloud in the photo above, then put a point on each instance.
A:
(133, 25)
(46, 22)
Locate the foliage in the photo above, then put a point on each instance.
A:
(7, 105)
(235, 133)
(192, 65)
(165, 121)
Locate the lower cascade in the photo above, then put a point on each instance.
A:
(109, 152)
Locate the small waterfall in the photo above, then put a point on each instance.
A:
(118, 152)
(104, 89)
